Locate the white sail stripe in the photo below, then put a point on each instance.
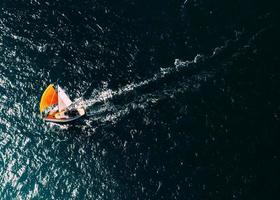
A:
(63, 100)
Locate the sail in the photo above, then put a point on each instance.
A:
(48, 98)
(63, 99)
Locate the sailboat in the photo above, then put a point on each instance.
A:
(56, 106)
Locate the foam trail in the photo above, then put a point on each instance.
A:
(107, 94)
(103, 96)
(102, 108)
(110, 105)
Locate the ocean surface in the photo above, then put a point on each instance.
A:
(182, 96)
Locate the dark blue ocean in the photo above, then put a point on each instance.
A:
(182, 98)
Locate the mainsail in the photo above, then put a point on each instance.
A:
(48, 98)
(63, 100)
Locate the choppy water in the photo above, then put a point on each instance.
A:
(182, 98)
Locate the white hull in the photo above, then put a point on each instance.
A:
(63, 118)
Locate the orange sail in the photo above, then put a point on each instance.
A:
(48, 98)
